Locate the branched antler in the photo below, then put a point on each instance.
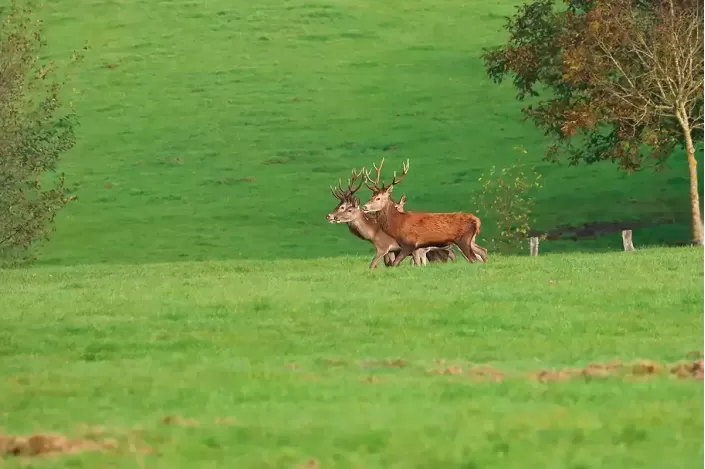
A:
(342, 194)
(375, 183)
(405, 169)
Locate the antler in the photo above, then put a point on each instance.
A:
(403, 174)
(338, 192)
(342, 194)
(351, 182)
(375, 183)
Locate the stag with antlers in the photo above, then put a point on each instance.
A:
(414, 230)
(360, 224)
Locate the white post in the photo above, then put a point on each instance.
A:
(627, 240)
(533, 246)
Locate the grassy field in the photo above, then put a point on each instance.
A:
(206, 125)
(195, 306)
(286, 362)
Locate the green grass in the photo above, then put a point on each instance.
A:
(210, 132)
(292, 350)
(183, 103)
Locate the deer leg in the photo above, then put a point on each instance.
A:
(403, 254)
(451, 253)
(479, 251)
(388, 258)
(464, 246)
(380, 253)
(437, 255)
(417, 257)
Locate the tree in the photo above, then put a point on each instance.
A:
(623, 76)
(34, 132)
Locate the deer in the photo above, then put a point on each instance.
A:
(430, 254)
(414, 230)
(362, 225)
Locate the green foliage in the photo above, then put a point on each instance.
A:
(506, 195)
(35, 131)
(573, 109)
(308, 367)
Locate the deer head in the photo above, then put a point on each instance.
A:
(381, 195)
(349, 206)
(400, 205)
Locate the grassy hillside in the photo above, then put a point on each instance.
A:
(212, 130)
(271, 365)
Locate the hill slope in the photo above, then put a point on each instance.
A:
(212, 130)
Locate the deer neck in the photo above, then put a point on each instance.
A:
(365, 226)
(389, 218)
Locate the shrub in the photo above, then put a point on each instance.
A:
(506, 196)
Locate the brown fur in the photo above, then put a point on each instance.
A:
(428, 254)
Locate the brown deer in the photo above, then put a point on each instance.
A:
(359, 223)
(422, 256)
(414, 230)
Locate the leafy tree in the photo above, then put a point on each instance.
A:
(34, 132)
(621, 76)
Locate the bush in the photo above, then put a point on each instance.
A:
(506, 195)
(34, 132)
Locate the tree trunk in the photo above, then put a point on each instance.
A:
(696, 219)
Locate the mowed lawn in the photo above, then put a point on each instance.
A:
(324, 364)
(207, 125)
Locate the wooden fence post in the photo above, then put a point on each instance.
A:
(627, 240)
(533, 246)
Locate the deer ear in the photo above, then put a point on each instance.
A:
(356, 202)
(403, 199)
(389, 189)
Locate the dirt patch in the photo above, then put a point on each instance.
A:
(479, 372)
(310, 464)
(646, 367)
(549, 375)
(693, 369)
(44, 444)
(396, 363)
(640, 368)
(485, 373)
(593, 229)
(180, 421)
(187, 422)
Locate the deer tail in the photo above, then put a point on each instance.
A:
(474, 226)
(479, 251)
